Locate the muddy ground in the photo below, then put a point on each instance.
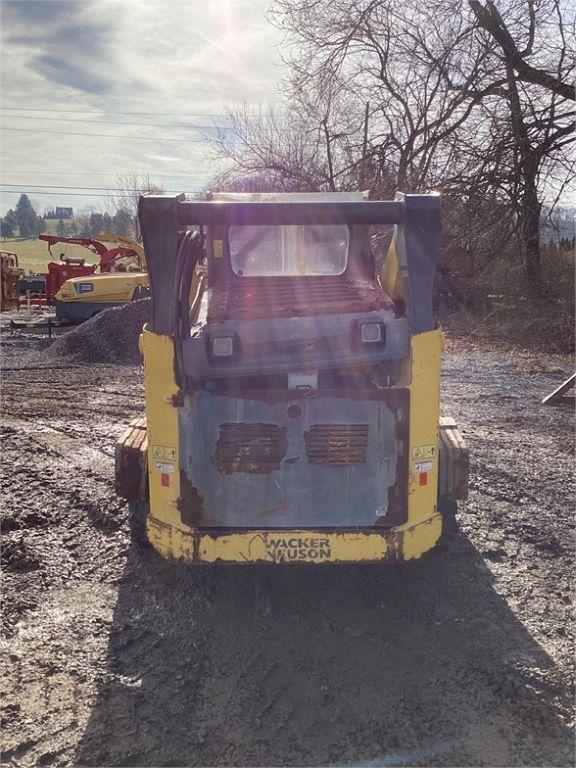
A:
(113, 657)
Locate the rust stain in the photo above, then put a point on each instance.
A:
(397, 512)
(190, 503)
(280, 508)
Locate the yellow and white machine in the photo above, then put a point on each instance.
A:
(292, 394)
(122, 278)
(81, 298)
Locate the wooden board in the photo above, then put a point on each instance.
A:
(454, 461)
(559, 396)
(131, 462)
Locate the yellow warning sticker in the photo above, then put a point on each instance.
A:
(218, 249)
(424, 451)
(164, 452)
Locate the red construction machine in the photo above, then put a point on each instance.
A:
(111, 259)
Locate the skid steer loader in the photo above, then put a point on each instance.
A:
(292, 393)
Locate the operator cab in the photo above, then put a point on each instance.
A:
(292, 306)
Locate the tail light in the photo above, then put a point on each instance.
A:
(371, 333)
(223, 346)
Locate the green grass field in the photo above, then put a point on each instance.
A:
(33, 254)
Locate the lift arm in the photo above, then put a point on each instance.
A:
(107, 255)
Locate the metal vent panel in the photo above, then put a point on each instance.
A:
(255, 448)
(252, 298)
(336, 445)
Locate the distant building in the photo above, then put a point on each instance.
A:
(59, 213)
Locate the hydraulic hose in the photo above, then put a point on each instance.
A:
(186, 260)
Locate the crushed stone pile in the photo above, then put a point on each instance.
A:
(109, 337)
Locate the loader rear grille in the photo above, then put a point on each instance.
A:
(336, 445)
(251, 298)
(255, 448)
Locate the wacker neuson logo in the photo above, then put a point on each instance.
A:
(298, 548)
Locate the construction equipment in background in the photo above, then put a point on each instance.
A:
(34, 286)
(10, 277)
(78, 293)
(292, 393)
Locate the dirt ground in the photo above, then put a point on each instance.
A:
(113, 657)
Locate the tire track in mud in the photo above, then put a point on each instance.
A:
(59, 493)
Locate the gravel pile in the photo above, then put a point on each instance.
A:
(110, 337)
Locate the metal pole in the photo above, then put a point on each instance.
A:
(364, 147)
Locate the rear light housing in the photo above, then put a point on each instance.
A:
(223, 347)
(369, 333)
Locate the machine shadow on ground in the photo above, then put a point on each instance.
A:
(349, 665)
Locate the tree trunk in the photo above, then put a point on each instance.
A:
(530, 211)
(530, 206)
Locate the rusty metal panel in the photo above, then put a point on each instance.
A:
(298, 462)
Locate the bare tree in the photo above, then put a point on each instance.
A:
(463, 96)
(532, 50)
(130, 187)
(267, 148)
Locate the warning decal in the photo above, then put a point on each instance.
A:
(424, 452)
(164, 452)
(165, 466)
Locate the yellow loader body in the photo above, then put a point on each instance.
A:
(292, 393)
(173, 539)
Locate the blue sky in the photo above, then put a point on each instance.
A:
(165, 68)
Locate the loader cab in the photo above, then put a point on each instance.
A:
(292, 307)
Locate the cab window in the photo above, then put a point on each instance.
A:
(290, 250)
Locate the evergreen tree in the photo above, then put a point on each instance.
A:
(29, 224)
(8, 224)
(123, 223)
(99, 223)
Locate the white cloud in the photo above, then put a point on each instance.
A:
(181, 61)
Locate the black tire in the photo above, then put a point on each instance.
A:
(138, 511)
(448, 510)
